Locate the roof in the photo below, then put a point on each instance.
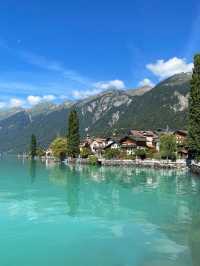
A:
(110, 144)
(99, 140)
(143, 134)
(181, 132)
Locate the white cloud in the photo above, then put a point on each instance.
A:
(98, 88)
(33, 100)
(112, 84)
(2, 104)
(146, 82)
(81, 94)
(164, 69)
(49, 97)
(15, 102)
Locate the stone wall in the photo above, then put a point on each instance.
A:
(138, 163)
(195, 168)
(146, 163)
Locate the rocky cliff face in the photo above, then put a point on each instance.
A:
(105, 113)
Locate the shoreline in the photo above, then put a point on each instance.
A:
(148, 163)
(157, 164)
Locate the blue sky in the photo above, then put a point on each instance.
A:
(56, 50)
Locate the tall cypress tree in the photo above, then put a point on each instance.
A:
(194, 110)
(33, 146)
(73, 138)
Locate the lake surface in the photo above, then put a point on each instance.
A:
(90, 216)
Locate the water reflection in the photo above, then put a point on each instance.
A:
(72, 189)
(161, 208)
(32, 170)
(157, 199)
(69, 177)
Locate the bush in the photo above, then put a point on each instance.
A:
(111, 154)
(172, 156)
(157, 156)
(93, 160)
(130, 157)
(150, 153)
(141, 153)
(85, 152)
(40, 152)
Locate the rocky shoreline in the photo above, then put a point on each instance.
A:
(195, 168)
(180, 164)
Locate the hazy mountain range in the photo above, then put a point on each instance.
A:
(110, 111)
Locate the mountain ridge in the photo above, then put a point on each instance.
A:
(110, 111)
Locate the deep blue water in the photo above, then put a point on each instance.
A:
(97, 216)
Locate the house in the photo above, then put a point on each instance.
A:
(86, 143)
(131, 143)
(181, 141)
(97, 145)
(147, 139)
(49, 153)
(113, 143)
(152, 139)
(181, 137)
(182, 153)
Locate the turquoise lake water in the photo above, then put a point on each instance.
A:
(90, 216)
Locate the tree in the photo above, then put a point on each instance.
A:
(194, 110)
(168, 146)
(33, 146)
(59, 148)
(73, 138)
(40, 152)
(85, 152)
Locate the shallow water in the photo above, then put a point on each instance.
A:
(91, 216)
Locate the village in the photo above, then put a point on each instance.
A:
(136, 144)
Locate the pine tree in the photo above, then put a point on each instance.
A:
(73, 138)
(33, 146)
(194, 110)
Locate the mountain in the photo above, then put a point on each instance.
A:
(110, 111)
(5, 113)
(139, 91)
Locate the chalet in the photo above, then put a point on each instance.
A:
(182, 153)
(113, 143)
(86, 143)
(97, 145)
(181, 137)
(181, 141)
(128, 144)
(150, 138)
(131, 143)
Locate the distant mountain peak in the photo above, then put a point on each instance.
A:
(139, 91)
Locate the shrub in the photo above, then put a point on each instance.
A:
(141, 153)
(85, 152)
(93, 160)
(130, 157)
(111, 154)
(157, 156)
(40, 152)
(150, 153)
